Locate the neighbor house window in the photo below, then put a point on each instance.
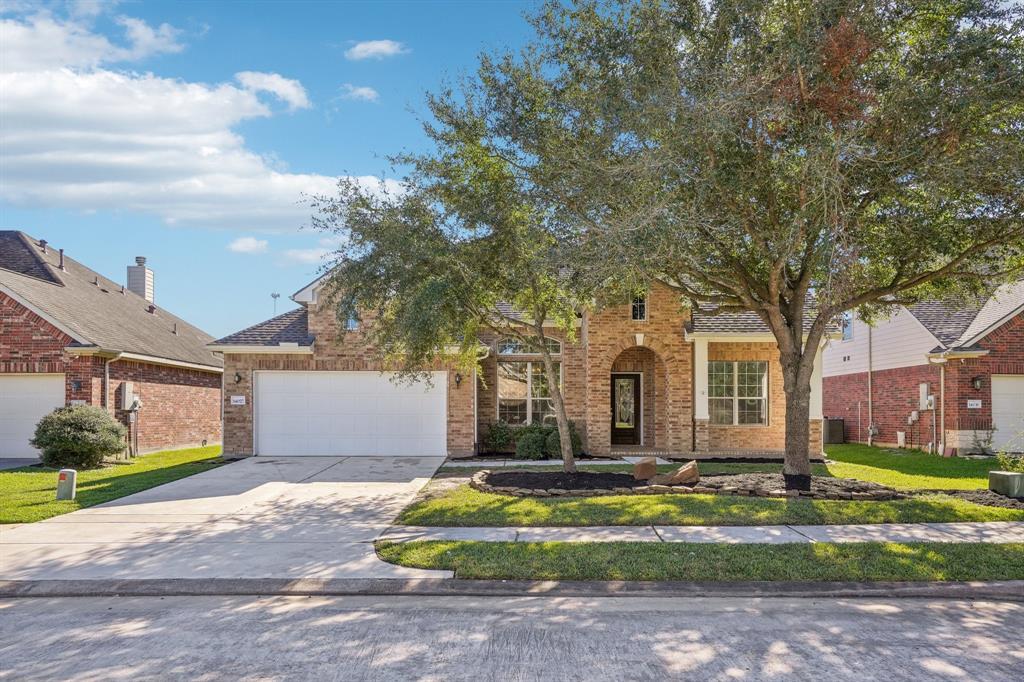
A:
(738, 392)
(640, 308)
(847, 322)
(524, 395)
(511, 346)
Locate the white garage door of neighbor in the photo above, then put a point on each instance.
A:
(1008, 412)
(349, 414)
(24, 400)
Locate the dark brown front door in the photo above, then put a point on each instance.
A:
(625, 409)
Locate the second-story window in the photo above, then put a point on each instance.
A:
(847, 321)
(352, 323)
(640, 308)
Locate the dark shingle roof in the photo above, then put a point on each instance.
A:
(18, 254)
(93, 308)
(291, 327)
(956, 323)
(946, 321)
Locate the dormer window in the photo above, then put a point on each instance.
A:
(639, 309)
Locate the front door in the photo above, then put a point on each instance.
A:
(625, 409)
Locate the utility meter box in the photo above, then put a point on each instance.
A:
(67, 480)
(127, 395)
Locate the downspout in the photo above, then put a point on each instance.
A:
(871, 417)
(942, 408)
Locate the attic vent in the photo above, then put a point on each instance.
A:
(96, 280)
(42, 244)
(62, 260)
(175, 329)
(151, 310)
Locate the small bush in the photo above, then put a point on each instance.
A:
(78, 437)
(530, 443)
(500, 437)
(1008, 462)
(553, 444)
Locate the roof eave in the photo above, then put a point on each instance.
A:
(290, 349)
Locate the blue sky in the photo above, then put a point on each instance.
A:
(187, 131)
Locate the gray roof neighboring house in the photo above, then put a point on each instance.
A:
(959, 326)
(290, 327)
(93, 309)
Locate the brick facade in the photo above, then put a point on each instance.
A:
(180, 407)
(607, 341)
(895, 393)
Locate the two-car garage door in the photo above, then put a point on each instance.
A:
(349, 414)
(24, 400)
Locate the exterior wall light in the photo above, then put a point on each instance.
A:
(238, 378)
(458, 379)
(976, 383)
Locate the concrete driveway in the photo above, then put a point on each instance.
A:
(263, 517)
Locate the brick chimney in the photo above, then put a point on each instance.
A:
(140, 279)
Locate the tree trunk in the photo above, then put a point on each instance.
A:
(796, 373)
(564, 437)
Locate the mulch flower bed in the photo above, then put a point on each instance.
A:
(587, 484)
(985, 497)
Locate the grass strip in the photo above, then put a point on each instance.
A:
(711, 562)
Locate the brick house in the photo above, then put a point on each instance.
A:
(948, 376)
(642, 377)
(69, 335)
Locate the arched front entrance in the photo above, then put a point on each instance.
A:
(639, 400)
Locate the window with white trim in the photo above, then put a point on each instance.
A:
(524, 394)
(352, 323)
(514, 346)
(847, 322)
(639, 309)
(738, 392)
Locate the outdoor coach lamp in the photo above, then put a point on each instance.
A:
(458, 380)
(976, 382)
(238, 377)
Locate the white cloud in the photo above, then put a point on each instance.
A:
(286, 89)
(248, 245)
(359, 92)
(313, 256)
(86, 138)
(42, 41)
(375, 49)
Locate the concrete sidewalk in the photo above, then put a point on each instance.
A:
(990, 532)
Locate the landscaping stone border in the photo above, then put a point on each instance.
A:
(859, 490)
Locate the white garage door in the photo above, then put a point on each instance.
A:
(1008, 412)
(24, 399)
(349, 414)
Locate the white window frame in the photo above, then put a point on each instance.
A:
(638, 300)
(529, 386)
(522, 350)
(847, 326)
(735, 397)
(352, 323)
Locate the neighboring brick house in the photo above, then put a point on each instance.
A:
(69, 335)
(703, 387)
(946, 375)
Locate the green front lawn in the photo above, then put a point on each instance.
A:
(909, 468)
(27, 494)
(711, 562)
(464, 506)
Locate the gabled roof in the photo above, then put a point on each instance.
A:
(92, 309)
(960, 325)
(289, 327)
(746, 322)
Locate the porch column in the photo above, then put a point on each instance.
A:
(816, 385)
(700, 375)
(701, 412)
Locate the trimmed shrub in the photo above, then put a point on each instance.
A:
(500, 437)
(553, 444)
(530, 443)
(1009, 462)
(78, 437)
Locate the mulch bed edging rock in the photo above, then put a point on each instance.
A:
(749, 485)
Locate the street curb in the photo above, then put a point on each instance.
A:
(1004, 590)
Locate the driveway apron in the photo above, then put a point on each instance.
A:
(262, 517)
